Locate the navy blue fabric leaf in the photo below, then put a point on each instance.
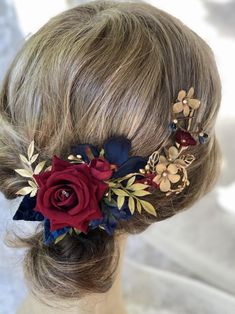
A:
(25, 210)
(111, 216)
(50, 236)
(117, 149)
(133, 164)
(81, 150)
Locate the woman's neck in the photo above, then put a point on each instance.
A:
(103, 303)
(111, 301)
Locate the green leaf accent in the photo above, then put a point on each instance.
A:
(138, 186)
(60, 238)
(128, 176)
(101, 153)
(111, 184)
(120, 192)
(76, 231)
(109, 201)
(140, 193)
(148, 207)
(120, 201)
(139, 207)
(130, 181)
(131, 204)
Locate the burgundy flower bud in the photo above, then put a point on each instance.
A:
(184, 138)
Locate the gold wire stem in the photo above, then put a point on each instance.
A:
(190, 119)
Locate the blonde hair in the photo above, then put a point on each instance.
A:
(99, 69)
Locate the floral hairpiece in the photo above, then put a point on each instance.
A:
(97, 188)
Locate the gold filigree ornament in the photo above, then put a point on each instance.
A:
(169, 165)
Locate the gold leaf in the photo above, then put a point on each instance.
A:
(138, 186)
(61, 237)
(30, 150)
(24, 173)
(148, 207)
(48, 168)
(130, 181)
(120, 192)
(131, 204)
(120, 201)
(33, 193)
(32, 183)
(24, 159)
(127, 176)
(141, 193)
(34, 157)
(101, 153)
(76, 231)
(111, 184)
(71, 231)
(39, 167)
(24, 191)
(139, 208)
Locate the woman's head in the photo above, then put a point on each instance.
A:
(100, 69)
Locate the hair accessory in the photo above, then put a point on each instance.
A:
(97, 188)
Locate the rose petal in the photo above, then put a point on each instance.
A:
(68, 202)
(174, 177)
(181, 95)
(165, 185)
(178, 107)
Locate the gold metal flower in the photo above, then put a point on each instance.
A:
(186, 102)
(166, 174)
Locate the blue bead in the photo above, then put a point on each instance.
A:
(203, 138)
(172, 126)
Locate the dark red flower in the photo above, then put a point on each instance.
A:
(100, 168)
(69, 195)
(184, 138)
(148, 179)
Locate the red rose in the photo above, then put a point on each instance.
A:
(68, 195)
(100, 168)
